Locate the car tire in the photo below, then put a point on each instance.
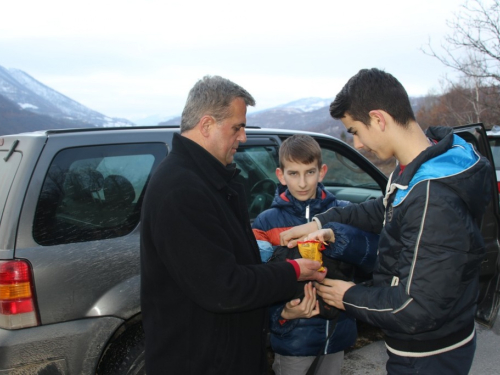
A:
(125, 355)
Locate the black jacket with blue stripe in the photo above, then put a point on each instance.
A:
(425, 282)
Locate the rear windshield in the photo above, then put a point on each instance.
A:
(8, 170)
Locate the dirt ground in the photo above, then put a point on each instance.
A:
(366, 335)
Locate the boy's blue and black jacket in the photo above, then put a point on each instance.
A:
(426, 280)
(305, 337)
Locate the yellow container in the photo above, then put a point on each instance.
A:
(312, 250)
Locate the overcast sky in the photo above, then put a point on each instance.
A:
(134, 59)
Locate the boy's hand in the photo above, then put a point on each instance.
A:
(323, 235)
(332, 291)
(306, 308)
(291, 236)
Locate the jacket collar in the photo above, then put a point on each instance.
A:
(215, 172)
(452, 161)
(443, 136)
(283, 199)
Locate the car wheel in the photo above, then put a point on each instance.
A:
(125, 355)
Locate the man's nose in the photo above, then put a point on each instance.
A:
(242, 137)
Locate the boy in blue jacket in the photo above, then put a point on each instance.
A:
(297, 333)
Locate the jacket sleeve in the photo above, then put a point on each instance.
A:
(368, 216)
(434, 267)
(266, 233)
(266, 248)
(278, 325)
(193, 244)
(353, 245)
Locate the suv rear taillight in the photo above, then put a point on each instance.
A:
(17, 302)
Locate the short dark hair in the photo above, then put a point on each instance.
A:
(212, 95)
(372, 89)
(300, 148)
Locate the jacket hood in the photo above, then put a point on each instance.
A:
(453, 162)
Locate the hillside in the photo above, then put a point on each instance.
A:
(14, 120)
(305, 114)
(28, 104)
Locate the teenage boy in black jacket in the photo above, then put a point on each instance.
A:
(425, 282)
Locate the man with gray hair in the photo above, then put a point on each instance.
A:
(204, 290)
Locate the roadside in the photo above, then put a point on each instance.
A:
(370, 359)
(368, 356)
(367, 335)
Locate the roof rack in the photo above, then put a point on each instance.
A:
(98, 129)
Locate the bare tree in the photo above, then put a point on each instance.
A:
(473, 50)
(473, 47)
(464, 102)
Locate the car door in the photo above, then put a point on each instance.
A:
(489, 278)
(79, 222)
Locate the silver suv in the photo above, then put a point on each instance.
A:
(70, 205)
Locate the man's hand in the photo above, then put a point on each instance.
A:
(332, 291)
(309, 270)
(323, 235)
(291, 236)
(306, 308)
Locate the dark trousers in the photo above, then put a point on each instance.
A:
(454, 362)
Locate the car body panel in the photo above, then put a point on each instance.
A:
(68, 348)
(31, 146)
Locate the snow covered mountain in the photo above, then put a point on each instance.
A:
(305, 105)
(304, 114)
(33, 96)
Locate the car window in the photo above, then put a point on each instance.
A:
(94, 193)
(343, 172)
(346, 180)
(258, 166)
(258, 175)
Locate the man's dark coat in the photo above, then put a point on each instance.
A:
(204, 290)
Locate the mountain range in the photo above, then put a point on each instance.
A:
(28, 105)
(304, 114)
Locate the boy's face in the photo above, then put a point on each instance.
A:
(301, 179)
(369, 138)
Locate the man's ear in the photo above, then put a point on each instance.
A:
(378, 118)
(281, 177)
(322, 172)
(206, 124)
